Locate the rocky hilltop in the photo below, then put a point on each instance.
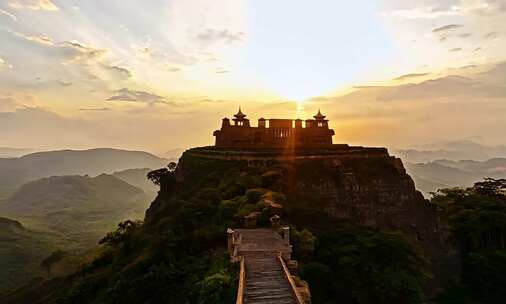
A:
(360, 230)
(365, 186)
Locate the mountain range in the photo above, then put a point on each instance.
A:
(64, 200)
(16, 171)
(452, 150)
(444, 173)
(7, 152)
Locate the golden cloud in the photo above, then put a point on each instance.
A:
(42, 5)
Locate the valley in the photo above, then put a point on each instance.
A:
(68, 213)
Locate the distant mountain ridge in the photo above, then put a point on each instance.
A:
(16, 171)
(8, 152)
(444, 173)
(451, 150)
(9, 226)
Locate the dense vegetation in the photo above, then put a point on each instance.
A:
(477, 216)
(20, 252)
(69, 213)
(178, 254)
(355, 265)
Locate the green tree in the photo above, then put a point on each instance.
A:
(477, 218)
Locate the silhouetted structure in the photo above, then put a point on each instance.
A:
(274, 133)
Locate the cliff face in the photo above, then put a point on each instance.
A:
(366, 186)
(376, 192)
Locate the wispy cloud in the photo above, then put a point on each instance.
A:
(455, 50)
(491, 35)
(40, 39)
(126, 94)
(10, 15)
(44, 40)
(4, 64)
(221, 71)
(445, 28)
(461, 8)
(80, 52)
(171, 68)
(64, 83)
(120, 70)
(46, 5)
(213, 35)
(411, 76)
(95, 109)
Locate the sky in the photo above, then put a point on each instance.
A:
(157, 75)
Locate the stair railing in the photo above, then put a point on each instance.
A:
(242, 279)
(288, 276)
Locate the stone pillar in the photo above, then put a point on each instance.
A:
(275, 221)
(286, 235)
(230, 241)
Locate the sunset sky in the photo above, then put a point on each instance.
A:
(156, 75)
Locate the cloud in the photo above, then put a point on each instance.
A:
(73, 50)
(120, 70)
(445, 28)
(125, 94)
(460, 8)
(81, 53)
(40, 39)
(455, 50)
(469, 66)
(489, 84)
(4, 64)
(491, 35)
(10, 15)
(8, 104)
(423, 13)
(411, 76)
(221, 71)
(171, 58)
(95, 109)
(171, 68)
(465, 35)
(213, 35)
(372, 114)
(46, 5)
(64, 83)
(44, 129)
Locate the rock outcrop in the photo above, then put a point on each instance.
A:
(366, 186)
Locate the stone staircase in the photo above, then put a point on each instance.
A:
(265, 282)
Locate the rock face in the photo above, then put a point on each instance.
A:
(366, 186)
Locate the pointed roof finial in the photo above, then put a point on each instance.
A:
(239, 114)
(319, 115)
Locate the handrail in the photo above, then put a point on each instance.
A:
(242, 278)
(288, 276)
